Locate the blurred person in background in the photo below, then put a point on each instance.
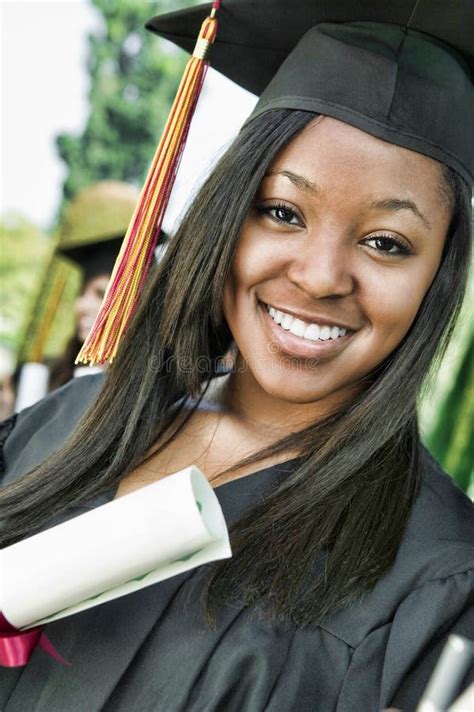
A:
(90, 234)
(89, 237)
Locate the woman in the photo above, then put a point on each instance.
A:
(335, 261)
(91, 233)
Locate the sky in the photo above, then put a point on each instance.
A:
(43, 92)
(44, 89)
(222, 109)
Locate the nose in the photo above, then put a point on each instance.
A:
(81, 302)
(322, 266)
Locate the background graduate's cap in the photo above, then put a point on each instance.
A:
(93, 226)
(399, 70)
(96, 258)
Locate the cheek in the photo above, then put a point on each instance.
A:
(392, 305)
(96, 302)
(246, 272)
(79, 305)
(256, 260)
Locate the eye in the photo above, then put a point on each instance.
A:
(281, 213)
(389, 245)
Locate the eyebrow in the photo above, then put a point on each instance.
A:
(392, 204)
(398, 204)
(302, 183)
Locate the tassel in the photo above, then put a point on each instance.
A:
(136, 253)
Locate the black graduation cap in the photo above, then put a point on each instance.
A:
(400, 70)
(95, 258)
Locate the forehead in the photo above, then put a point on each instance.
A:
(333, 154)
(99, 280)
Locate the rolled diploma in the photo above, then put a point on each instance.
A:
(142, 535)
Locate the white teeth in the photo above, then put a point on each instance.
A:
(298, 327)
(312, 332)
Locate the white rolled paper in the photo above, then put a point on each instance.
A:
(134, 541)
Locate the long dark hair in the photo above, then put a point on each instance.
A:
(332, 527)
(62, 368)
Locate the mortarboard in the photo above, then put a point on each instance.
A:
(95, 258)
(93, 225)
(400, 70)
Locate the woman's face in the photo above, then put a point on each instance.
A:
(88, 304)
(334, 259)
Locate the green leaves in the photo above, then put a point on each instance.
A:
(447, 406)
(134, 77)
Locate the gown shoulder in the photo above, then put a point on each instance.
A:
(28, 437)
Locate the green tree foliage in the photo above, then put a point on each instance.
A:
(447, 405)
(451, 440)
(134, 77)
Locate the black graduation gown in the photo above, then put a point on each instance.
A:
(150, 651)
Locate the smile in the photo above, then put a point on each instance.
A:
(303, 329)
(301, 339)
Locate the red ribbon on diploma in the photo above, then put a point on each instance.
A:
(16, 646)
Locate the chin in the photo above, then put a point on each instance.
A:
(293, 383)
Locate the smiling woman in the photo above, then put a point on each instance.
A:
(330, 252)
(326, 249)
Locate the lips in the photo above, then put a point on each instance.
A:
(298, 347)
